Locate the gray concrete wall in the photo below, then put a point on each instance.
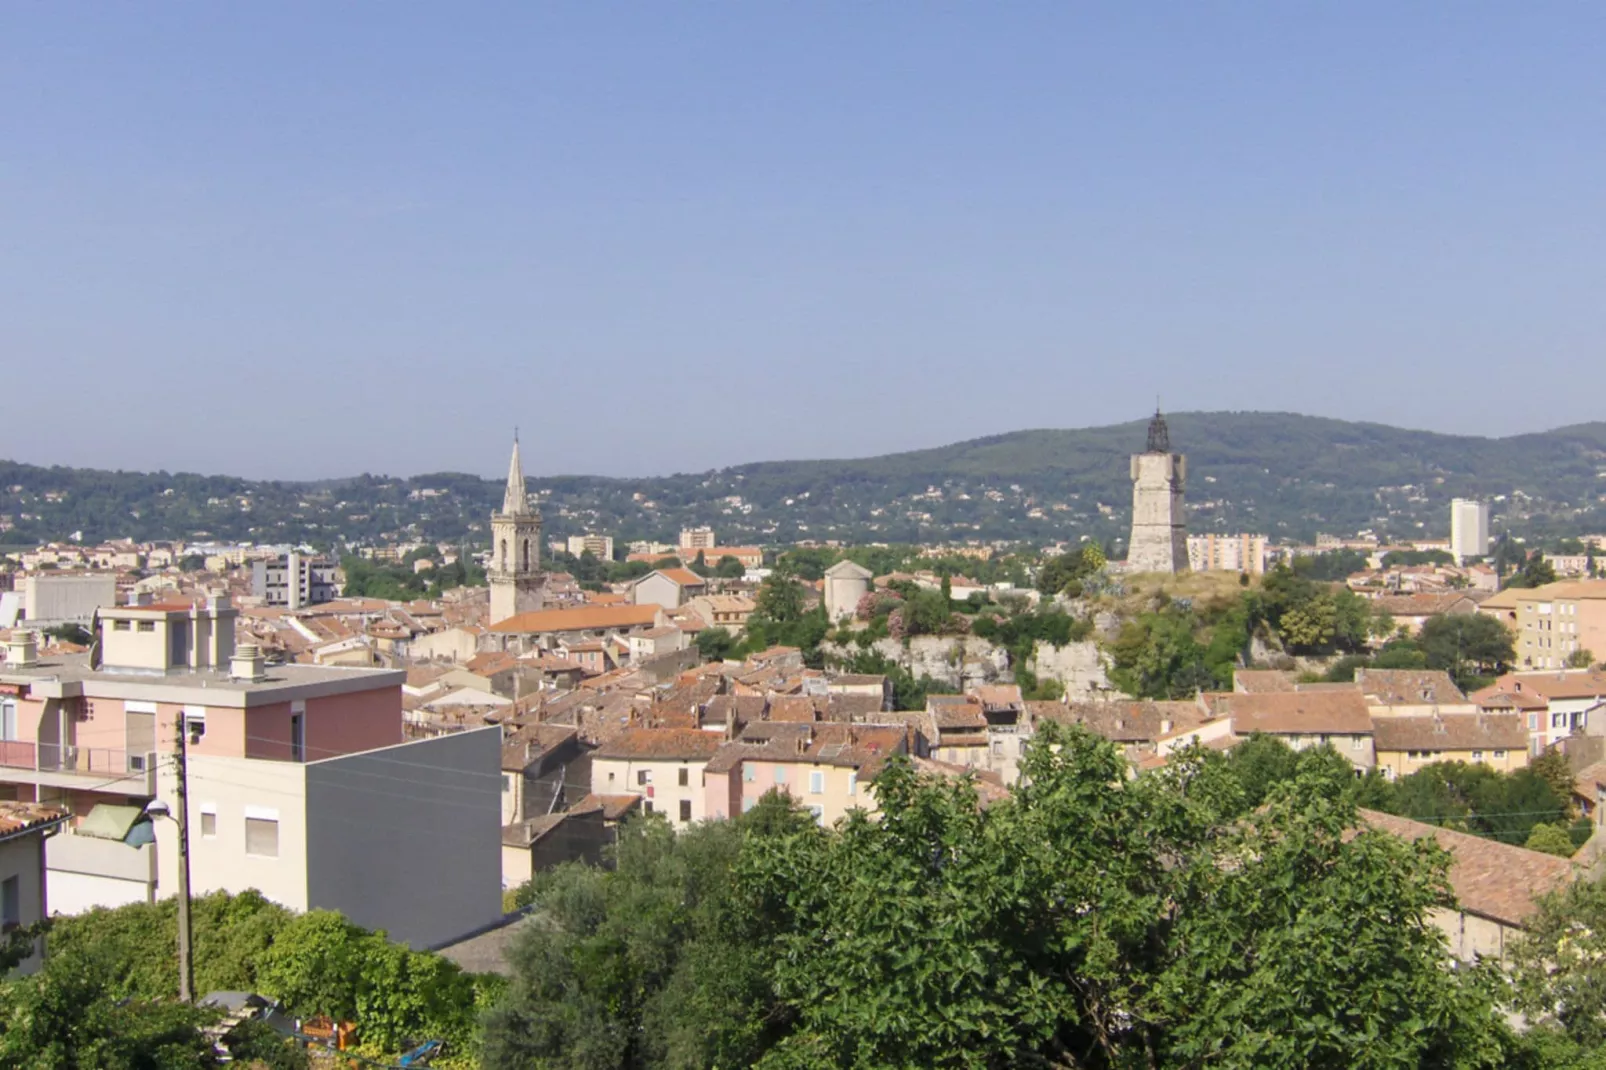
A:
(409, 838)
(73, 597)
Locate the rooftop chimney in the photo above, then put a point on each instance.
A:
(247, 663)
(22, 650)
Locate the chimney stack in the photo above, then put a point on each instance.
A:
(247, 663)
(22, 649)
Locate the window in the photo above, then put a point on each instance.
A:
(10, 903)
(685, 777)
(816, 783)
(507, 782)
(147, 626)
(1499, 754)
(646, 806)
(1558, 720)
(1356, 741)
(262, 837)
(998, 748)
(1477, 755)
(610, 776)
(747, 804)
(749, 772)
(298, 737)
(685, 810)
(780, 774)
(8, 718)
(853, 782)
(643, 777)
(208, 822)
(819, 813)
(120, 626)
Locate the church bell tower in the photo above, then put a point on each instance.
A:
(514, 573)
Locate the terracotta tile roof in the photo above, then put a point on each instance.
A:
(491, 663)
(865, 747)
(1300, 712)
(1262, 681)
(682, 744)
(1495, 697)
(685, 577)
(606, 598)
(1409, 687)
(1491, 879)
(528, 743)
(956, 712)
(20, 817)
(1556, 684)
(1588, 780)
(801, 709)
(582, 618)
(989, 788)
(1451, 731)
(613, 807)
(1423, 604)
(994, 696)
(1135, 721)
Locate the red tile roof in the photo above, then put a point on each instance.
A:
(20, 817)
(1295, 713)
(584, 618)
(1491, 879)
(670, 744)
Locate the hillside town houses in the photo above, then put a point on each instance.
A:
(326, 737)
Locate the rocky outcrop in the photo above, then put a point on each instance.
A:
(960, 661)
(1080, 667)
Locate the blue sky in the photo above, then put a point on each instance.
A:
(304, 240)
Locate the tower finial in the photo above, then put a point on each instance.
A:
(1159, 434)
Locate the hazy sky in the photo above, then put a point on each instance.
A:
(303, 240)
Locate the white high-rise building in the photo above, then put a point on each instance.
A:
(1469, 529)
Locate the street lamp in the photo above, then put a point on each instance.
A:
(186, 971)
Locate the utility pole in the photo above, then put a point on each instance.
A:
(186, 967)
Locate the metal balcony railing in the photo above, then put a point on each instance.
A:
(60, 758)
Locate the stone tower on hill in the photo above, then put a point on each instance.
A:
(1159, 541)
(514, 574)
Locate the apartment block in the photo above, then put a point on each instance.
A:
(1469, 529)
(292, 581)
(598, 546)
(1553, 622)
(1227, 553)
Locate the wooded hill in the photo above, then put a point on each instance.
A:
(1282, 474)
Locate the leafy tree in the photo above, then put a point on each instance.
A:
(1329, 567)
(729, 568)
(1535, 572)
(780, 598)
(1559, 965)
(1580, 659)
(1551, 839)
(1467, 646)
(700, 565)
(1551, 767)
(71, 633)
(714, 643)
(1259, 764)
(77, 1013)
(1157, 656)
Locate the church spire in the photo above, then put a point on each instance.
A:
(514, 501)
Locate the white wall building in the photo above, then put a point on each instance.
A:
(1469, 529)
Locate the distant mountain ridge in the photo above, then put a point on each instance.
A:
(1282, 474)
